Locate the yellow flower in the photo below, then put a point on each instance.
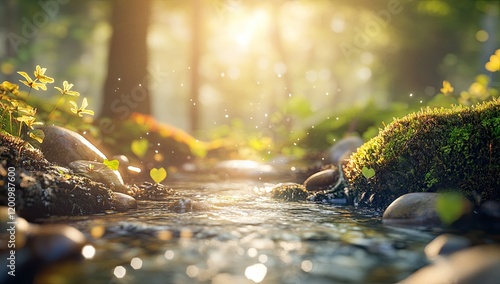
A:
(494, 64)
(80, 111)
(40, 75)
(28, 120)
(66, 89)
(447, 88)
(27, 110)
(30, 83)
(10, 87)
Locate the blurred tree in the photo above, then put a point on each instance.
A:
(196, 43)
(126, 89)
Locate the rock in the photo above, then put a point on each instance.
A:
(430, 150)
(21, 227)
(343, 148)
(413, 209)
(150, 191)
(289, 192)
(63, 146)
(45, 244)
(42, 189)
(480, 264)
(182, 206)
(51, 243)
(123, 202)
(323, 180)
(419, 209)
(445, 245)
(489, 216)
(99, 172)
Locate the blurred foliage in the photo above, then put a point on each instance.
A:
(17, 111)
(259, 99)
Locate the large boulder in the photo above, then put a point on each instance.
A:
(455, 148)
(63, 146)
(42, 188)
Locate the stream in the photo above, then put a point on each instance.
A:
(237, 233)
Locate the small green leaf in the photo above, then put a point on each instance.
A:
(158, 175)
(368, 172)
(140, 147)
(450, 207)
(113, 164)
(37, 134)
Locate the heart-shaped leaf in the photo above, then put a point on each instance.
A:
(368, 172)
(113, 164)
(450, 207)
(140, 147)
(37, 134)
(158, 175)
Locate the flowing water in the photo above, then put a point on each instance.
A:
(238, 234)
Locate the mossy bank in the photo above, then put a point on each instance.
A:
(431, 150)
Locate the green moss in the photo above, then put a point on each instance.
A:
(290, 192)
(429, 150)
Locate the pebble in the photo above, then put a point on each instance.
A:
(51, 242)
(419, 209)
(97, 171)
(479, 264)
(63, 146)
(22, 227)
(289, 192)
(446, 244)
(413, 209)
(123, 202)
(322, 180)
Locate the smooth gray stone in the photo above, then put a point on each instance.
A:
(63, 146)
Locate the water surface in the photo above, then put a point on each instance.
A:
(236, 233)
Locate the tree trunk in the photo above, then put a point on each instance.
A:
(10, 20)
(194, 105)
(126, 89)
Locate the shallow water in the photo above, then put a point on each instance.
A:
(239, 234)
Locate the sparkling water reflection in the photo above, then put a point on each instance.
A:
(239, 234)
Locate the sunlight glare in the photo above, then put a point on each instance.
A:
(364, 73)
(306, 265)
(136, 263)
(120, 272)
(279, 68)
(256, 272)
(88, 251)
(192, 271)
(169, 254)
(337, 25)
(247, 26)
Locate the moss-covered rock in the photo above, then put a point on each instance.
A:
(38, 188)
(290, 192)
(454, 148)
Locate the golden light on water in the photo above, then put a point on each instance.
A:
(256, 272)
(88, 251)
(192, 271)
(97, 231)
(169, 254)
(252, 252)
(306, 265)
(136, 263)
(119, 271)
